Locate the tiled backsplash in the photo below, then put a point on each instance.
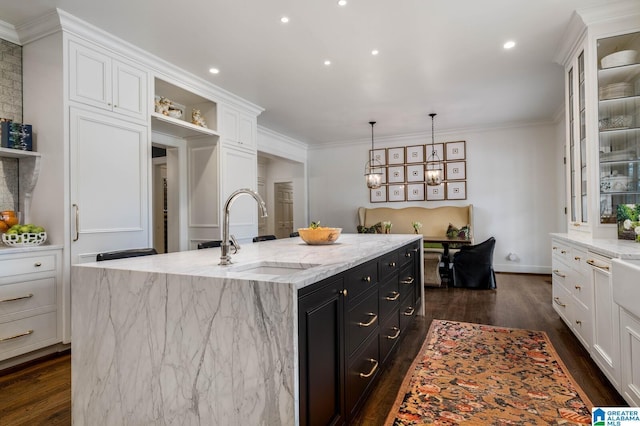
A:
(10, 108)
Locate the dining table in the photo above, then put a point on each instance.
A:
(446, 243)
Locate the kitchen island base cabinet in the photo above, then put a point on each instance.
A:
(347, 328)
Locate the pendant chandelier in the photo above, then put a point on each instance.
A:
(373, 170)
(434, 170)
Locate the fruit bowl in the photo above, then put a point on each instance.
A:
(320, 235)
(26, 239)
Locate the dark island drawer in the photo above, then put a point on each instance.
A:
(361, 279)
(408, 312)
(389, 335)
(389, 297)
(408, 253)
(362, 369)
(388, 264)
(362, 320)
(406, 282)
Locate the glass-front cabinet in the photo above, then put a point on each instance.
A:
(618, 122)
(601, 58)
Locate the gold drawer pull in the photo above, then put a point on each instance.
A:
(578, 322)
(576, 258)
(555, 271)
(395, 336)
(408, 254)
(37, 264)
(554, 248)
(26, 333)
(563, 251)
(392, 264)
(593, 263)
(415, 250)
(407, 313)
(344, 292)
(366, 279)
(578, 287)
(394, 297)
(408, 280)
(373, 319)
(373, 370)
(13, 299)
(557, 300)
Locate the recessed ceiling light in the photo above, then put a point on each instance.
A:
(342, 2)
(327, 62)
(214, 70)
(509, 45)
(284, 19)
(374, 52)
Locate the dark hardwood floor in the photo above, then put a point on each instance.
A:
(40, 393)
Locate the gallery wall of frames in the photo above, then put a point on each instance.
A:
(404, 173)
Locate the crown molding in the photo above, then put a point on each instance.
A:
(8, 32)
(281, 145)
(571, 39)
(59, 20)
(609, 12)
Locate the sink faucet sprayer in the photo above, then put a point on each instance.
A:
(225, 258)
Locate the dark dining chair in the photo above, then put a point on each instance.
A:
(294, 234)
(263, 238)
(473, 266)
(122, 254)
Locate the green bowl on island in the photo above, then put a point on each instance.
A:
(319, 235)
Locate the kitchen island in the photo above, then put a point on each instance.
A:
(177, 339)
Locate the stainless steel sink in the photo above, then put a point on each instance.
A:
(272, 268)
(626, 284)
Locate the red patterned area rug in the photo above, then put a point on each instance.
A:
(477, 374)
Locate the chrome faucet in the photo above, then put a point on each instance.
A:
(225, 257)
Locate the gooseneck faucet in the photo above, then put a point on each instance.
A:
(225, 257)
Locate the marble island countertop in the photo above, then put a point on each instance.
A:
(287, 260)
(178, 339)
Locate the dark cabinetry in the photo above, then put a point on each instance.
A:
(348, 326)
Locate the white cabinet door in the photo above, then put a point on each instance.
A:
(239, 128)
(239, 169)
(109, 184)
(98, 79)
(89, 76)
(630, 349)
(606, 320)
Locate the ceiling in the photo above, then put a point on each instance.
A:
(442, 56)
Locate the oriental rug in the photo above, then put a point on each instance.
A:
(477, 374)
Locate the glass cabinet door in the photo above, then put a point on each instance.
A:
(618, 123)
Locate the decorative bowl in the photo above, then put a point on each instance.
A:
(617, 59)
(27, 239)
(320, 235)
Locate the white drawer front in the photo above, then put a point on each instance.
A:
(28, 297)
(27, 265)
(27, 334)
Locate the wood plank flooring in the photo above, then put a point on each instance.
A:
(40, 393)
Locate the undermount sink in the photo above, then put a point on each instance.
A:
(272, 268)
(626, 284)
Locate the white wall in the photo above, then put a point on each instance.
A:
(514, 181)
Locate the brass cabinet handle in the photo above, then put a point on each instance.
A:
(557, 300)
(408, 280)
(395, 336)
(554, 248)
(373, 319)
(576, 258)
(576, 225)
(394, 297)
(407, 254)
(578, 287)
(366, 279)
(77, 236)
(407, 313)
(555, 271)
(415, 250)
(563, 251)
(26, 333)
(37, 264)
(392, 264)
(12, 299)
(578, 322)
(344, 292)
(593, 263)
(373, 370)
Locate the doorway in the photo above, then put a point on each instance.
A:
(283, 217)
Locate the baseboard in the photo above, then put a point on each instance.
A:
(9, 365)
(522, 269)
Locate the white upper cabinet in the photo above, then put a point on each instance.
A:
(238, 128)
(102, 80)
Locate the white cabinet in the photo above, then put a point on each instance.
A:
(109, 184)
(30, 287)
(606, 316)
(99, 79)
(238, 128)
(630, 357)
(602, 123)
(572, 290)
